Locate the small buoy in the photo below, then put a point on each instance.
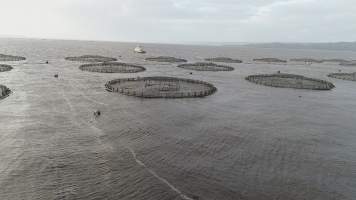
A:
(191, 73)
(56, 76)
(47, 62)
(97, 113)
(278, 72)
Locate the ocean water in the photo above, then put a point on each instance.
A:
(246, 141)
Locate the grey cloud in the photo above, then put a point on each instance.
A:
(193, 20)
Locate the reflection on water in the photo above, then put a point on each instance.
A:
(246, 141)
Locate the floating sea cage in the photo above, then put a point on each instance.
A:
(290, 81)
(205, 66)
(4, 57)
(270, 60)
(4, 68)
(4, 91)
(306, 60)
(91, 58)
(112, 67)
(160, 87)
(344, 76)
(165, 85)
(168, 59)
(223, 59)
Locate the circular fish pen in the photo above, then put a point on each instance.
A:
(4, 58)
(290, 81)
(223, 60)
(344, 76)
(269, 60)
(4, 91)
(306, 60)
(202, 66)
(335, 60)
(167, 59)
(160, 87)
(91, 58)
(112, 67)
(5, 68)
(348, 63)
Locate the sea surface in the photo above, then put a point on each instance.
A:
(246, 141)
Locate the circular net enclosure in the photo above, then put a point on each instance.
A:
(166, 59)
(306, 60)
(4, 68)
(344, 76)
(4, 57)
(335, 60)
(348, 63)
(4, 91)
(161, 87)
(223, 59)
(112, 67)
(290, 81)
(91, 58)
(269, 60)
(203, 66)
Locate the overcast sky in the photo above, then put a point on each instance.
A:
(182, 21)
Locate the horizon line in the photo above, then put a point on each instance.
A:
(209, 43)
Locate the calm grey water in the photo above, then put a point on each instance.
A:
(244, 142)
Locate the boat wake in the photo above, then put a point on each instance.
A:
(153, 173)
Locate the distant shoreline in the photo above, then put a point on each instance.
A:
(334, 46)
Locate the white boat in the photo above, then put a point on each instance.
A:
(139, 49)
